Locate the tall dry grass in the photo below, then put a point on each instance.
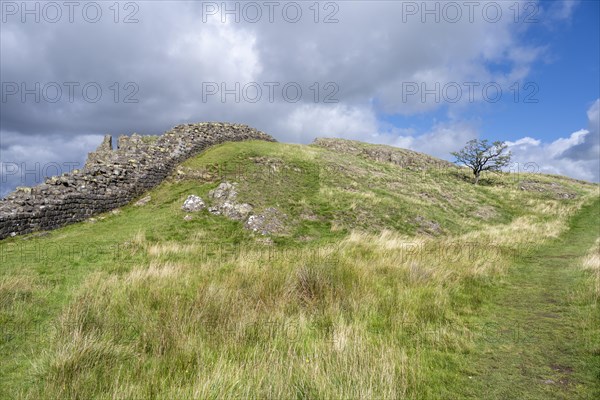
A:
(366, 318)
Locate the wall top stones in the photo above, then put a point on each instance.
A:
(112, 177)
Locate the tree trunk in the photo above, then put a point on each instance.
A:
(477, 178)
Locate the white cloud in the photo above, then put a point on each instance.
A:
(577, 155)
(563, 10)
(443, 138)
(314, 120)
(356, 123)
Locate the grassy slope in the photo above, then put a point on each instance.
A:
(144, 303)
(542, 339)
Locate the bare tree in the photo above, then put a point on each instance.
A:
(480, 155)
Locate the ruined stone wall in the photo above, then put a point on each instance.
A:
(112, 178)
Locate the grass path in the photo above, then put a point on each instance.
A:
(541, 332)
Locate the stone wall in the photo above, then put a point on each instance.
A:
(112, 178)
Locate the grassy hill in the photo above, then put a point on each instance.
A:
(380, 271)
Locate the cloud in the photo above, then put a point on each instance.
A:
(153, 74)
(577, 155)
(588, 146)
(24, 164)
(169, 66)
(361, 123)
(442, 139)
(356, 123)
(563, 10)
(313, 120)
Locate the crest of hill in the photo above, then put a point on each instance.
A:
(383, 153)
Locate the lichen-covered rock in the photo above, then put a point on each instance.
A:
(224, 202)
(268, 222)
(236, 211)
(193, 204)
(225, 192)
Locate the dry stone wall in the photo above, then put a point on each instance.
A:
(112, 178)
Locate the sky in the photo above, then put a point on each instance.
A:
(427, 76)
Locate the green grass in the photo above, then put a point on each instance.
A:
(350, 302)
(542, 336)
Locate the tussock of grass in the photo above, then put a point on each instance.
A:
(14, 289)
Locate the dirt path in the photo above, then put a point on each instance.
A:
(539, 341)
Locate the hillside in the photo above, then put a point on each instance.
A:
(335, 270)
(323, 189)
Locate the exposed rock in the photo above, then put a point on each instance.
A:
(201, 175)
(555, 189)
(24, 189)
(224, 199)
(236, 211)
(224, 192)
(143, 201)
(382, 153)
(188, 218)
(224, 203)
(308, 215)
(193, 204)
(268, 222)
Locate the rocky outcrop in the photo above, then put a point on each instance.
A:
(112, 178)
(224, 199)
(193, 204)
(553, 189)
(268, 222)
(382, 153)
(224, 202)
